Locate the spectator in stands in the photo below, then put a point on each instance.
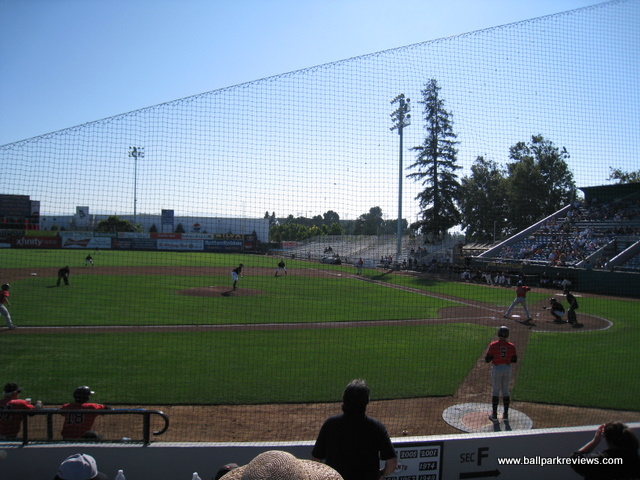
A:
(544, 280)
(10, 424)
(79, 425)
(621, 443)
(79, 467)
(354, 443)
(278, 465)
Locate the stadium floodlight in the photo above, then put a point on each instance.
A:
(401, 118)
(135, 152)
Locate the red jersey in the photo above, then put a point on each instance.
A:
(77, 424)
(502, 352)
(522, 290)
(4, 296)
(10, 424)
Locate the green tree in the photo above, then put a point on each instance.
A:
(482, 201)
(330, 217)
(335, 229)
(114, 223)
(271, 218)
(539, 182)
(436, 164)
(624, 177)
(369, 223)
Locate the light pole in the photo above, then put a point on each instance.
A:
(401, 118)
(135, 152)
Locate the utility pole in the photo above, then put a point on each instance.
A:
(401, 118)
(135, 152)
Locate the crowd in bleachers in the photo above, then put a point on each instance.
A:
(586, 229)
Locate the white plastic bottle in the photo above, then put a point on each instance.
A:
(196, 476)
(120, 475)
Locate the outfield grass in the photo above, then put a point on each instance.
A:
(153, 300)
(243, 367)
(595, 369)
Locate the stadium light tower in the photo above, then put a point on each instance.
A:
(135, 152)
(401, 118)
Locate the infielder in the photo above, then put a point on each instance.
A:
(501, 354)
(236, 273)
(521, 299)
(63, 274)
(4, 303)
(281, 268)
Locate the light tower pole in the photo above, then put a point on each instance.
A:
(401, 118)
(135, 152)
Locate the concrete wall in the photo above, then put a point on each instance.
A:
(420, 458)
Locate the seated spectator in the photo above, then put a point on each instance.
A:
(79, 467)
(79, 425)
(621, 443)
(10, 424)
(277, 465)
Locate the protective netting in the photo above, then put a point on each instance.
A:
(304, 143)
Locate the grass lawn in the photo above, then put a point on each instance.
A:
(244, 367)
(592, 369)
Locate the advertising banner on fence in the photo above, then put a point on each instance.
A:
(182, 245)
(223, 245)
(81, 241)
(33, 242)
(134, 244)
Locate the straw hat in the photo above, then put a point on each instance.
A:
(278, 465)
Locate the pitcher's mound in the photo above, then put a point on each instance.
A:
(217, 291)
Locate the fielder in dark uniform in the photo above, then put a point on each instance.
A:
(236, 273)
(501, 354)
(63, 274)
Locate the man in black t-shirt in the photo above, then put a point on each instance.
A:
(352, 442)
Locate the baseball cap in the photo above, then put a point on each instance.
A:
(12, 387)
(225, 469)
(80, 467)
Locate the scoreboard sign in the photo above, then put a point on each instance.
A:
(418, 461)
(15, 206)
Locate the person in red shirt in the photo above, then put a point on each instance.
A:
(79, 425)
(521, 299)
(10, 423)
(501, 354)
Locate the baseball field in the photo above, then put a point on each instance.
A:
(269, 360)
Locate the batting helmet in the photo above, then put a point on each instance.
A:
(6, 286)
(82, 394)
(503, 332)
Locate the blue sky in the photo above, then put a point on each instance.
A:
(67, 62)
(317, 139)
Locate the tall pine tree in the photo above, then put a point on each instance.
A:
(436, 164)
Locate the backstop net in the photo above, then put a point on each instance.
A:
(156, 321)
